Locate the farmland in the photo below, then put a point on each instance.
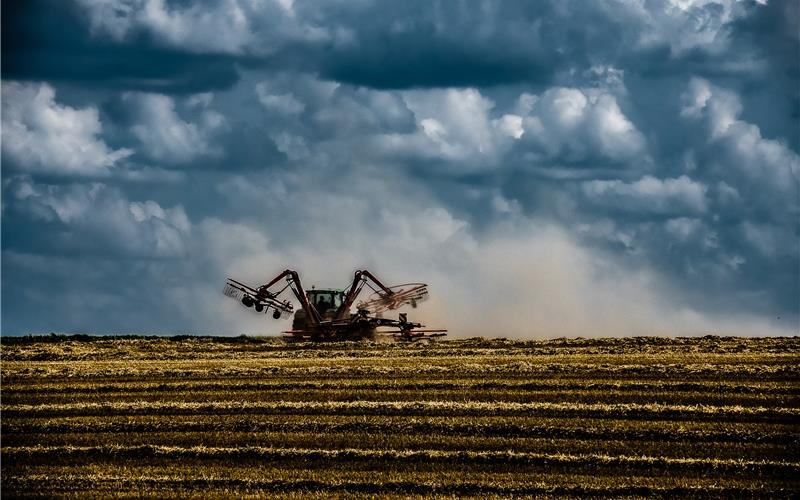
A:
(255, 417)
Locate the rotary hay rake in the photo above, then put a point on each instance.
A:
(326, 315)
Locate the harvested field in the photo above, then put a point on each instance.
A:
(250, 417)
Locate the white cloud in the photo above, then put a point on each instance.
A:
(510, 125)
(720, 106)
(576, 124)
(353, 112)
(113, 17)
(165, 135)
(95, 218)
(217, 26)
(185, 26)
(460, 129)
(695, 98)
(454, 125)
(761, 161)
(649, 195)
(683, 228)
(306, 116)
(284, 103)
(44, 137)
(759, 172)
(770, 240)
(685, 25)
(462, 117)
(202, 100)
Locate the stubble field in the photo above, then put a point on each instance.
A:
(214, 417)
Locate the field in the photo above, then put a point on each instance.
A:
(254, 417)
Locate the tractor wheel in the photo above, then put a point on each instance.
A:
(367, 333)
(299, 321)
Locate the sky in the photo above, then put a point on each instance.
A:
(550, 168)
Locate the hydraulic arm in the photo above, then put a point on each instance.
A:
(293, 282)
(361, 278)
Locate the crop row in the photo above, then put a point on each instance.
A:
(331, 440)
(393, 395)
(432, 427)
(259, 343)
(452, 357)
(449, 408)
(322, 457)
(241, 346)
(14, 372)
(466, 384)
(244, 421)
(168, 487)
(163, 467)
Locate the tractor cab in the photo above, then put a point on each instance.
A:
(325, 300)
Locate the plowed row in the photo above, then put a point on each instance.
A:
(704, 417)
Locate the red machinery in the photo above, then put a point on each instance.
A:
(325, 314)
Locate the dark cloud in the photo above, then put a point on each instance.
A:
(397, 64)
(772, 31)
(162, 47)
(772, 34)
(50, 40)
(597, 168)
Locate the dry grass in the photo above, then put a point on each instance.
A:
(251, 417)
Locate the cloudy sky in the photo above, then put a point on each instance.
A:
(558, 167)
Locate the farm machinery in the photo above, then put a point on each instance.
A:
(326, 315)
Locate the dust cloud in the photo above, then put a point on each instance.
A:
(538, 283)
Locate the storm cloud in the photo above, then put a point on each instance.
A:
(549, 168)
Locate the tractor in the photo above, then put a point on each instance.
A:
(326, 314)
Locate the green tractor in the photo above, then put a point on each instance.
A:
(326, 314)
(326, 302)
